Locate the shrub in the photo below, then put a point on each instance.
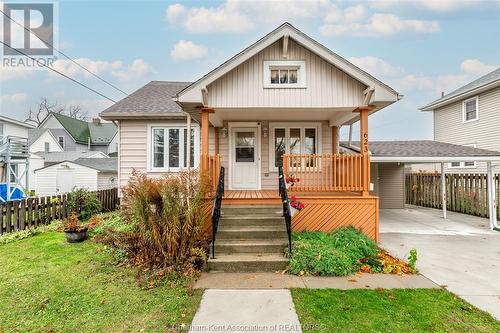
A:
(72, 224)
(339, 253)
(84, 202)
(167, 216)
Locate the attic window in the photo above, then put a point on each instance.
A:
(284, 74)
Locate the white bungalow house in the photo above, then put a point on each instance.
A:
(279, 102)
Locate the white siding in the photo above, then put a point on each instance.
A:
(39, 144)
(448, 126)
(15, 130)
(106, 180)
(47, 178)
(327, 86)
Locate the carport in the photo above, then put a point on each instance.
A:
(401, 153)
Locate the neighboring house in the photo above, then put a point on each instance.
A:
(285, 94)
(89, 173)
(14, 151)
(77, 135)
(40, 140)
(469, 116)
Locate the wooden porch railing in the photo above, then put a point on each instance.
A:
(210, 168)
(328, 172)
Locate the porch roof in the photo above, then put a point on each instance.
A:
(423, 151)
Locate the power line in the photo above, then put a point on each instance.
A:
(58, 72)
(62, 53)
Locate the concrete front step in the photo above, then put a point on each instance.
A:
(257, 246)
(265, 210)
(251, 232)
(248, 263)
(251, 221)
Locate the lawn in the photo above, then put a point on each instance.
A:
(48, 285)
(418, 310)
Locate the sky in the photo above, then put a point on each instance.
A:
(419, 48)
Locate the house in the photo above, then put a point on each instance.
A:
(77, 135)
(469, 116)
(14, 154)
(89, 173)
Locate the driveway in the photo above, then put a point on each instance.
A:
(461, 253)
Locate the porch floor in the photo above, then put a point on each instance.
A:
(271, 197)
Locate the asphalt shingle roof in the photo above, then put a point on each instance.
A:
(60, 156)
(422, 148)
(101, 164)
(99, 133)
(482, 81)
(155, 97)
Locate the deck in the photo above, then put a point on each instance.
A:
(271, 197)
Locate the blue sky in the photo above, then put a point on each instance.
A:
(418, 48)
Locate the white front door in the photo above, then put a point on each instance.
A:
(244, 158)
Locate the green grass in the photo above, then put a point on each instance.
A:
(417, 310)
(49, 285)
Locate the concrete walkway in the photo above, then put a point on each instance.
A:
(460, 253)
(246, 311)
(285, 281)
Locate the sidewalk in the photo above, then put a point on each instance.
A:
(285, 281)
(246, 311)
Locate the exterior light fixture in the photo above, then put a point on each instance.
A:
(223, 132)
(265, 132)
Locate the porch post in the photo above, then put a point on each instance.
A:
(492, 204)
(335, 139)
(443, 190)
(204, 138)
(363, 146)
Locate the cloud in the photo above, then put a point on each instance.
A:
(117, 69)
(175, 12)
(378, 25)
(15, 73)
(476, 67)
(376, 66)
(14, 98)
(187, 50)
(432, 5)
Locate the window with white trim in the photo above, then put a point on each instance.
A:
(60, 140)
(289, 138)
(464, 165)
(168, 148)
(470, 109)
(284, 74)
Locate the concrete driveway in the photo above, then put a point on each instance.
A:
(461, 253)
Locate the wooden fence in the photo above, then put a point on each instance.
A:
(31, 212)
(466, 193)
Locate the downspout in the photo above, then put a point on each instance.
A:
(492, 203)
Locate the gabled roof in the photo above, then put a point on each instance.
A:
(15, 121)
(69, 155)
(81, 131)
(99, 164)
(153, 99)
(424, 151)
(191, 94)
(484, 83)
(35, 133)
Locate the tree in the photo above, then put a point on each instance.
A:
(38, 113)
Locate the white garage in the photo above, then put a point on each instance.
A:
(90, 173)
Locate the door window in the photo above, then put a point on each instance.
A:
(245, 147)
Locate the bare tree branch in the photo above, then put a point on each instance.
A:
(44, 108)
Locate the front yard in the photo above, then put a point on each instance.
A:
(402, 310)
(48, 285)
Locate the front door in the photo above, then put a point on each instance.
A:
(244, 158)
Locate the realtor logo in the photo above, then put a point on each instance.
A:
(28, 34)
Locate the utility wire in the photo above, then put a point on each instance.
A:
(58, 72)
(65, 55)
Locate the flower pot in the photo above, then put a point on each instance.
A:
(76, 236)
(293, 211)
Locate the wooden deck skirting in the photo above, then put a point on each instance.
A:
(324, 211)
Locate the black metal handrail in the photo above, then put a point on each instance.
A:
(286, 207)
(216, 208)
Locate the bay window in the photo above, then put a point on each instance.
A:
(168, 150)
(289, 138)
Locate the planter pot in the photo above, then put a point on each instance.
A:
(75, 236)
(293, 211)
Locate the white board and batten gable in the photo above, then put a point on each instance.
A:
(321, 80)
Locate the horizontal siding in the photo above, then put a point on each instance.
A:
(448, 126)
(391, 190)
(39, 144)
(46, 179)
(326, 85)
(106, 180)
